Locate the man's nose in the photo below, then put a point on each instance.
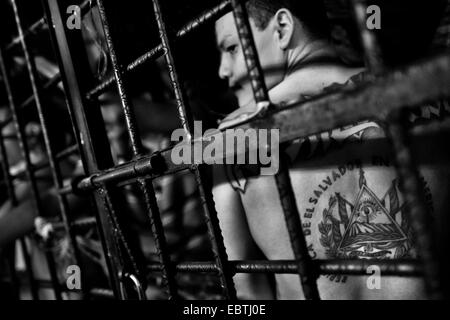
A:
(224, 69)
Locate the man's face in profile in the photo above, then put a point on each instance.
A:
(232, 63)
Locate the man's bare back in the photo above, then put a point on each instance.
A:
(345, 185)
(350, 204)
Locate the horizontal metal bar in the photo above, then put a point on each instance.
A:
(77, 225)
(36, 27)
(151, 166)
(102, 293)
(156, 52)
(375, 100)
(413, 86)
(405, 268)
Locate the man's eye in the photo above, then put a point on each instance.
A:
(232, 49)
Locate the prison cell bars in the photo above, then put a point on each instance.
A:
(31, 169)
(91, 136)
(186, 118)
(54, 166)
(39, 26)
(397, 82)
(33, 30)
(282, 179)
(189, 27)
(440, 65)
(407, 170)
(30, 175)
(56, 174)
(137, 148)
(157, 51)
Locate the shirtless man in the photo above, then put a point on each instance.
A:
(346, 188)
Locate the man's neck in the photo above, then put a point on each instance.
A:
(309, 51)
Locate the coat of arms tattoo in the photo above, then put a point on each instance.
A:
(369, 227)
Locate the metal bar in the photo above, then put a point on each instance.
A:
(77, 225)
(39, 26)
(55, 170)
(102, 293)
(250, 54)
(308, 276)
(414, 86)
(147, 166)
(36, 27)
(87, 122)
(186, 118)
(157, 51)
(137, 147)
(420, 218)
(282, 179)
(407, 170)
(404, 268)
(25, 152)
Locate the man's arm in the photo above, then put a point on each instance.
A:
(18, 221)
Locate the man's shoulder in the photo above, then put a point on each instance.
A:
(313, 81)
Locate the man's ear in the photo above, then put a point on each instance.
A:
(285, 24)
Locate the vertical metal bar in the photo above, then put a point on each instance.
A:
(55, 169)
(418, 214)
(136, 143)
(32, 74)
(250, 54)
(306, 271)
(88, 125)
(409, 178)
(184, 112)
(185, 115)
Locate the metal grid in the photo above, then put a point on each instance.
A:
(385, 96)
